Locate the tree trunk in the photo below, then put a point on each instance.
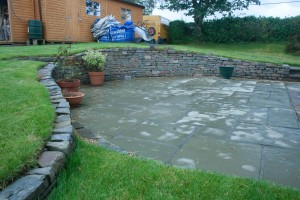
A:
(199, 25)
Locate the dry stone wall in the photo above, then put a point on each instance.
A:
(135, 63)
(150, 63)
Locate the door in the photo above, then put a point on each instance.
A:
(73, 20)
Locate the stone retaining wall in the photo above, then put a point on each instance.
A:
(39, 182)
(136, 63)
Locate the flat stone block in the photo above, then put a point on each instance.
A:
(63, 104)
(77, 125)
(62, 124)
(148, 149)
(267, 135)
(220, 156)
(25, 188)
(48, 82)
(67, 129)
(53, 159)
(282, 166)
(61, 137)
(56, 97)
(85, 133)
(63, 118)
(283, 118)
(62, 111)
(47, 171)
(62, 146)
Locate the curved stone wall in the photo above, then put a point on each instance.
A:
(136, 63)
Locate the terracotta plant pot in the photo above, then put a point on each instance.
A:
(74, 98)
(69, 86)
(96, 78)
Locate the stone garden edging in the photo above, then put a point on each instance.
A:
(39, 182)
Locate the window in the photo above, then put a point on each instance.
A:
(125, 14)
(92, 8)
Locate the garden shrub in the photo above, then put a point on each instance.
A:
(235, 29)
(181, 32)
(293, 45)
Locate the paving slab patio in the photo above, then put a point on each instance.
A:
(246, 128)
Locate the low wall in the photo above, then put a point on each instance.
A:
(136, 63)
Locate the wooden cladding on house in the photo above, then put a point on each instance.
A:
(64, 20)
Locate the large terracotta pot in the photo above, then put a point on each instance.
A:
(96, 78)
(69, 86)
(74, 98)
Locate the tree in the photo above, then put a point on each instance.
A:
(149, 5)
(200, 9)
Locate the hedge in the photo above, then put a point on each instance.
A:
(235, 29)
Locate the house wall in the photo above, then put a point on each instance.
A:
(107, 7)
(19, 13)
(64, 20)
(54, 19)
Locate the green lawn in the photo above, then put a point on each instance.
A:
(26, 120)
(96, 173)
(26, 117)
(270, 53)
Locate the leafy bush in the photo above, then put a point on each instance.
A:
(95, 60)
(181, 32)
(177, 31)
(235, 29)
(293, 45)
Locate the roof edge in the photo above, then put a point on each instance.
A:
(132, 3)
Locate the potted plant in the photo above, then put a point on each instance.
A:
(95, 63)
(226, 71)
(74, 98)
(68, 67)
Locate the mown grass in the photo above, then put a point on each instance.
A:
(270, 53)
(26, 117)
(50, 50)
(261, 52)
(96, 173)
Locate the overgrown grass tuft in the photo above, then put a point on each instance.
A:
(26, 117)
(96, 173)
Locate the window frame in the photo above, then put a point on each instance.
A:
(92, 10)
(123, 14)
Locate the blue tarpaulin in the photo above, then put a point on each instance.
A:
(109, 30)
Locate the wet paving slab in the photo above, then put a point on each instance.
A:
(246, 128)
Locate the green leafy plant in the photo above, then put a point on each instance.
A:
(67, 64)
(293, 44)
(95, 60)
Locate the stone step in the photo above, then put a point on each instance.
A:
(295, 76)
(294, 69)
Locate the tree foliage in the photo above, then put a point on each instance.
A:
(200, 9)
